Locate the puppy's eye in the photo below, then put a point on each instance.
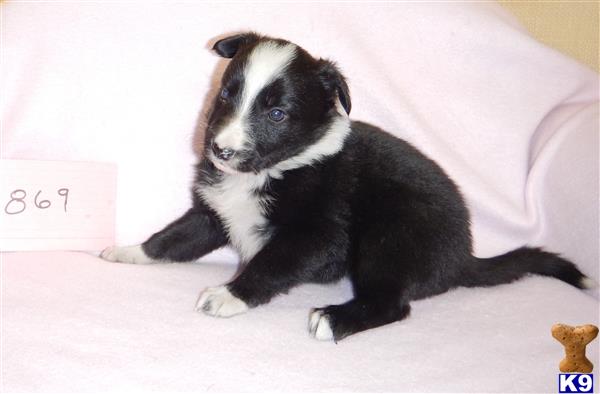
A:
(276, 115)
(224, 94)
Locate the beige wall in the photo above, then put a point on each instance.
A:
(569, 26)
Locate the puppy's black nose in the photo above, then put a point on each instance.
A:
(222, 153)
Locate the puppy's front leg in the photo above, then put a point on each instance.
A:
(193, 235)
(286, 261)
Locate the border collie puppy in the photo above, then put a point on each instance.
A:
(304, 194)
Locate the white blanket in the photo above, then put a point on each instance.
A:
(74, 323)
(514, 123)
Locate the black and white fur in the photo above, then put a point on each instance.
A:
(304, 194)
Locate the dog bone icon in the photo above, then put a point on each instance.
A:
(574, 339)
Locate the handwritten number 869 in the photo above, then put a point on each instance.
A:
(17, 203)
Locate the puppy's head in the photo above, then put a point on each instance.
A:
(275, 101)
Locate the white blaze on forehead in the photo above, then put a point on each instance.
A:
(265, 63)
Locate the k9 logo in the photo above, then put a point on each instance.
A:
(575, 383)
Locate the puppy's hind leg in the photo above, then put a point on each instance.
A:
(380, 285)
(336, 322)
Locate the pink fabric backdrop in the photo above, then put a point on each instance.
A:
(512, 121)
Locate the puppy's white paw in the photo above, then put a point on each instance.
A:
(127, 254)
(219, 302)
(319, 326)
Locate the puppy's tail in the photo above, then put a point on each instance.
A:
(520, 262)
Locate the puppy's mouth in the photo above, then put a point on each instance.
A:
(222, 165)
(245, 161)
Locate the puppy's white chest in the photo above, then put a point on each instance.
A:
(241, 210)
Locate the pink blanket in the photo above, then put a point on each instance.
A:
(512, 121)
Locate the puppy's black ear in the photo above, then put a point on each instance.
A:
(229, 46)
(335, 83)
